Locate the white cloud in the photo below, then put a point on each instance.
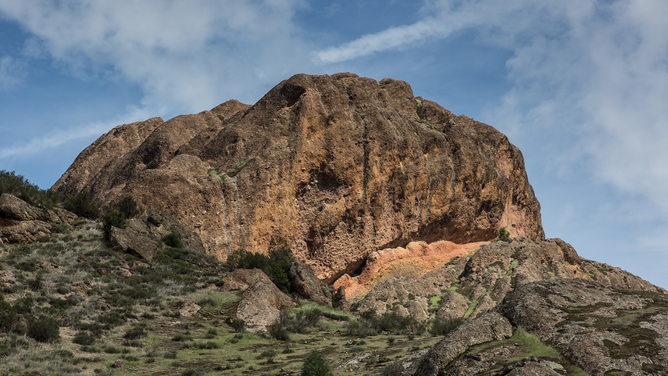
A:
(185, 54)
(10, 72)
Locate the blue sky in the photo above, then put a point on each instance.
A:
(580, 86)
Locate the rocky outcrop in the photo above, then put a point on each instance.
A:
(491, 274)
(414, 260)
(589, 316)
(143, 236)
(489, 327)
(308, 286)
(332, 167)
(262, 300)
(601, 328)
(23, 223)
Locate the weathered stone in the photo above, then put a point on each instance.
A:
(332, 167)
(189, 309)
(262, 300)
(23, 223)
(403, 290)
(598, 327)
(308, 286)
(143, 236)
(453, 306)
(491, 326)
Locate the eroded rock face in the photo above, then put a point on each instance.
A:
(332, 167)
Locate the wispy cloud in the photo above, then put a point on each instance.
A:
(10, 72)
(59, 137)
(186, 54)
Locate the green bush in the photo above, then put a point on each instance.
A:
(82, 338)
(238, 325)
(279, 332)
(20, 187)
(83, 205)
(316, 365)
(443, 326)
(371, 324)
(43, 329)
(504, 235)
(112, 219)
(128, 206)
(173, 240)
(392, 369)
(135, 333)
(276, 265)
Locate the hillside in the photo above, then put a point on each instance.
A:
(337, 216)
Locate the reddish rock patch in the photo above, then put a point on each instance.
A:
(416, 259)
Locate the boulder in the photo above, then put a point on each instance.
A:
(143, 236)
(332, 167)
(262, 300)
(307, 285)
(23, 223)
(491, 326)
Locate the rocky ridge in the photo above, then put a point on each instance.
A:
(598, 317)
(332, 167)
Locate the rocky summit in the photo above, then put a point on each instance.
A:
(332, 167)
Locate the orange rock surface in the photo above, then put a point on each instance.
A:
(416, 259)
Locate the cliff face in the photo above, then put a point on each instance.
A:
(333, 167)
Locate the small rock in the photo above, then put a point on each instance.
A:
(118, 363)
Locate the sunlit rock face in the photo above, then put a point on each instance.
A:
(332, 167)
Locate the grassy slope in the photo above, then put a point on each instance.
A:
(105, 296)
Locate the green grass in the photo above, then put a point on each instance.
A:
(533, 345)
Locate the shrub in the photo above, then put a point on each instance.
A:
(443, 326)
(128, 206)
(82, 338)
(8, 318)
(279, 332)
(20, 187)
(83, 205)
(112, 219)
(173, 240)
(504, 235)
(12, 344)
(44, 329)
(392, 369)
(276, 265)
(316, 365)
(134, 333)
(194, 372)
(302, 320)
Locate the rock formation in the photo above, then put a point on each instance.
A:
(262, 300)
(143, 236)
(594, 316)
(332, 167)
(23, 223)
